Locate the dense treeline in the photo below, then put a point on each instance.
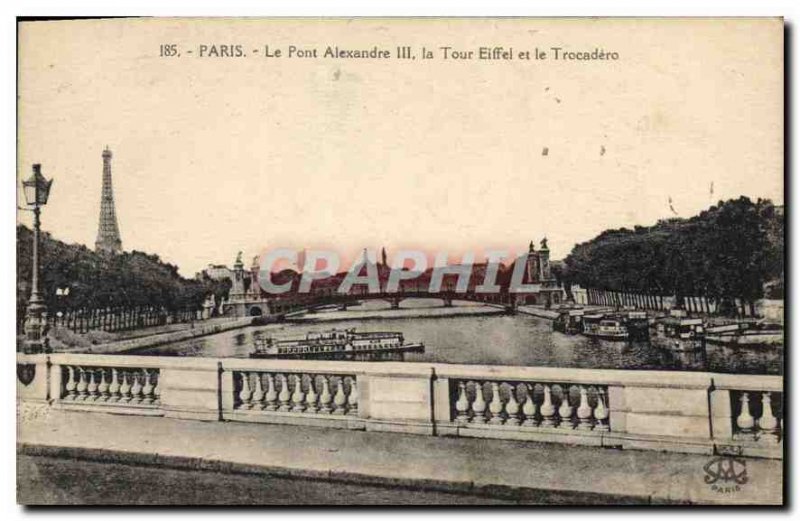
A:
(733, 250)
(129, 280)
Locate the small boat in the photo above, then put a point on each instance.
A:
(336, 344)
(606, 329)
(569, 321)
(637, 322)
(745, 334)
(679, 333)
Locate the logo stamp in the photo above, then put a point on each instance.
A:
(726, 474)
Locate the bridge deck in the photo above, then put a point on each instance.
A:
(470, 466)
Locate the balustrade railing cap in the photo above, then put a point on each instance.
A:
(620, 377)
(613, 377)
(124, 360)
(771, 383)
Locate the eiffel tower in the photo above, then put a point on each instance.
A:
(108, 240)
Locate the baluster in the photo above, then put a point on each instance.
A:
(271, 398)
(745, 420)
(136, 388)
(529, 407)
(496, 406)
(245, 393)
(125, 389)
(298, 396)
(339, 399)
(462, 404)
(284, 396)
(584, 411)
(102, 387)
(113, 389)
(547, 410)
(512, 406)
(352, 398)
(157, 389)
(82, 385)
(71, 384)
(479, 405)
(91, 388)
(767, 423)
(601, 413)
(311, 396)
(258, 393)
(325, 397)
(565, 410)
(147, 389)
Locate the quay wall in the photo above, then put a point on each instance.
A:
(770, 309)
(657, 410)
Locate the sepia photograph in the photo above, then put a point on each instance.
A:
(400, 261)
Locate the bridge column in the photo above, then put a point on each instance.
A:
(448, 302)
(511, 304)
(343, 306)
(395, 303)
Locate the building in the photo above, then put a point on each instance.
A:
(216, 272)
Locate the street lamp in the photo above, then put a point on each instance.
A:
(37, 190)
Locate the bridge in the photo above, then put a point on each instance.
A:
(537, 286)
(281, 306)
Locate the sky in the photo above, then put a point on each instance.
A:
(213, 155)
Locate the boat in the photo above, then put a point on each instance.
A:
(637, 322)
(606, 328)
(569, 321)
(745, 334)
(337, 344)
(679, 333)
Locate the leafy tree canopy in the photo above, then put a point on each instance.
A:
(730, 250)
(98, 280)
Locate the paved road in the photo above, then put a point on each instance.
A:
(48, 481)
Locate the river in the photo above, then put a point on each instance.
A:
(485, 337)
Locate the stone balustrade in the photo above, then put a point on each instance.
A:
(110, 385)
(531, 404)
(750, 412)
(755, 415)
(660, 410)
(301, 393)
(119, 384)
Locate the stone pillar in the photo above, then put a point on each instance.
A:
(721, 421)
(34, 383)
(544, 261)
(237, 292)
(192, 390)
(400, 399)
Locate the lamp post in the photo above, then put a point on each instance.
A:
(37, 190)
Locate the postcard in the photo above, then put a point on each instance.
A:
(400, 261)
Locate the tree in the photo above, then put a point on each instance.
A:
(132, 280)
(728, 252)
